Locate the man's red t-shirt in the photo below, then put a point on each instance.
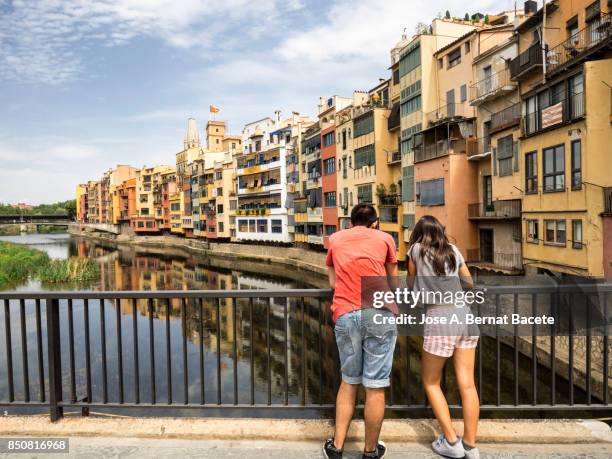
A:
(355, 253)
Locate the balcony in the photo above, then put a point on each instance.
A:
(483, 258)
(365, 172)
(312, 239)
(449, 112)
(390, 200)
(495, 85)
(440, 148)
(505, 118)
(496, 210)
(526, 62)
(394, 157)
(596, 36)
(565, 111)
(479, 148)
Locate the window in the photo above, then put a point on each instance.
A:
(251, 226)
(576, 99)
(533, 231)
(555, 232)
(467, 47)
(408, 184)
(364, 125)
(277, 226)
(430, 192)
(396, 77)
(454, 58)
(243, 226)
(463, 93)
(531, 172)
(233, 204)
(329, 139)
(220, 227)
(504, 155)
(410, 59)
(262, 226)
(330, 199)
(440, 63)
(576, 165)
(220, 209)
(410, 105)
(364, 195)
(219, 191)
(330, 229)
(365, 156)
(577, 234)
(572, 30)
(329, 166)
(554, 168)
(218, 175)
(344, 139)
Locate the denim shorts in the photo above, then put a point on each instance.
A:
(366, 347)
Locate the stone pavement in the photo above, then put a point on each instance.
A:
(106, 447)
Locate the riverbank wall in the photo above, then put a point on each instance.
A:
(303, 260)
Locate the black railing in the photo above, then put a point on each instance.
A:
(251, 352)
(525, 62)
(506, 118)
(491, 85)
(596, 34)
(567, 110)
(502, 209)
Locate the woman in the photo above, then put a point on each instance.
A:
(437, 265)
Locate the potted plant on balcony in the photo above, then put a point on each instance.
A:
(381, 192)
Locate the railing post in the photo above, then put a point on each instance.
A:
(54, 360)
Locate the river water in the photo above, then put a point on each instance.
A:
(236, 353)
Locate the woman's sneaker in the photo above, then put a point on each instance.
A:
(381, 450)
(330, 451)
(444, 448)
(471, 452)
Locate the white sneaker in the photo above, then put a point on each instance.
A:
(471, 453)
(444, 448)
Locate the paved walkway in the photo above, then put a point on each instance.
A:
(101, 447)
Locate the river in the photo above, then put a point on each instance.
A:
(296, 364)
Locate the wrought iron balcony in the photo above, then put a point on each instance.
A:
(595, 36)
(493, 86)
(505, 118)
(526, 62)
(390, 200)
(495, 210)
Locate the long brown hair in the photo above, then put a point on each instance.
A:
(430, 233)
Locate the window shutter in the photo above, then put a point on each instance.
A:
(408, 184)
(515, 153)
(494, 160)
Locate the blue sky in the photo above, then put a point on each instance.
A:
(87, 84)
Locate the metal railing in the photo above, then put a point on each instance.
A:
(260, 352)
(565, 111)
(505, 118)
(485, 258)
(480, 146)
(502, 209)
(527, 61)
(596, 33)
(449, 112)
(489, 86)
(440, 148)
(393, 157)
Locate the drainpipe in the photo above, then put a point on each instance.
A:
(544, 43)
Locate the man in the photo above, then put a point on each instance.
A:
(365, 349)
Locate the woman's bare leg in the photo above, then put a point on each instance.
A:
(463, 360)
(431, 372)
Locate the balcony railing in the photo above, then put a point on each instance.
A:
(497, 84)
(526, 62)
(485, 258)
(449, 112)
(390, 200)
(394, 157)
(505, 118)
(595, 35)
(440, 148)
(561, 112)
(502, 209)
(271, 352)
(479, 147)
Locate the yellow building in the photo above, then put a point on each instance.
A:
(565, 173)
(81, 203)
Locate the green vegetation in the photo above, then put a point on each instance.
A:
(59, 208)
(18, 263)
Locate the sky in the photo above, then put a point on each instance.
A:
(88, 84)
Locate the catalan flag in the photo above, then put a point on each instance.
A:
(214, 109)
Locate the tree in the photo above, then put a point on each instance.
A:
(447, 14)
(71, 210)
(466, 17)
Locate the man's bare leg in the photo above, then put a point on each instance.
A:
(345, 407)
(374, 415)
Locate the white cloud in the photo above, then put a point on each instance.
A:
(40, 40)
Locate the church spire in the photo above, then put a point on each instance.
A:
(192, 138)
